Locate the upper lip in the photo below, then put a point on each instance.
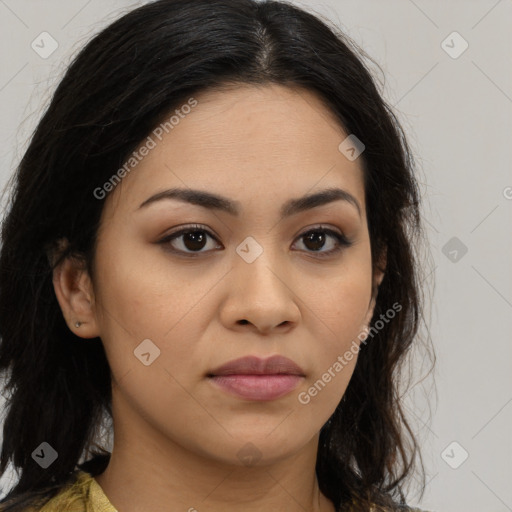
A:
(253, 365)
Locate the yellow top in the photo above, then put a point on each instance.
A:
(86, 495)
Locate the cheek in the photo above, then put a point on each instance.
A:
(340, 303)
(337, 311)
(142, 297)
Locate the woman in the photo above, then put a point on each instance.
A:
(210, 250)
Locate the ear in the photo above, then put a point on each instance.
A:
(75, 294)
(378, 275)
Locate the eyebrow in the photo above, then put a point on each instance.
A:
(217, 202)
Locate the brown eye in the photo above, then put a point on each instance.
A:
(315, 240)
(194, 240)
(189, 241)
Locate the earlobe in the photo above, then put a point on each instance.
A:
(75, 294)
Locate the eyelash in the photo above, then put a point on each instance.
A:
(342, 241)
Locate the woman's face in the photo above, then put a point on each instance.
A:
(171, 310)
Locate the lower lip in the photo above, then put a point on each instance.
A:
(258, 387)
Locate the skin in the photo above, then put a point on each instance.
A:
(177, 436)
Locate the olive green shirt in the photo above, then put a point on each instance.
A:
(86, 495)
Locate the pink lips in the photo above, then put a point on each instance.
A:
(253, 378)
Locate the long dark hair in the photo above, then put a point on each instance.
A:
(120, 86)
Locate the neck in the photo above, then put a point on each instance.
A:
(144, 476)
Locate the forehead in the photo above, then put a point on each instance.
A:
(241, 139)
(270, 116)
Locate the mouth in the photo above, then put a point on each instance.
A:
(253, 378)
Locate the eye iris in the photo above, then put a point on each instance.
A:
(317, 238)
(194, 240)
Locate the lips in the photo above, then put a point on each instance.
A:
(252, 365)
(255, 379)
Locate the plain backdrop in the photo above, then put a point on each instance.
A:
(448, 75)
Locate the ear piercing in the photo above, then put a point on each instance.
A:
(78, 324)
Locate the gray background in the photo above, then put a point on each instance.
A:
(457, 113)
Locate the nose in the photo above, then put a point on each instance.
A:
(260, 294)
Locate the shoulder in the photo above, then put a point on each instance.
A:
(73, 497)
(405, 508)
(399, 508)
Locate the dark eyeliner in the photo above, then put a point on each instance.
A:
(343, 241)
(183, 231)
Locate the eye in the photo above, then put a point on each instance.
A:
(315, 240)
(191, 240)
